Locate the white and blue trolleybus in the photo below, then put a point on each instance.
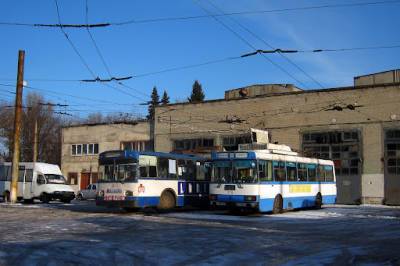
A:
(132, 179)
(271, 179)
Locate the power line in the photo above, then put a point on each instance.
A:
(184, 18)
(187, 66)
(105, 64)
(258, 51)
(248, 43)
(71, 43)
(254, 12)
(283, 51)
(279, 51)
(83, 60)
(94, 42)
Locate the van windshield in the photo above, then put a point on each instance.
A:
(55, 179)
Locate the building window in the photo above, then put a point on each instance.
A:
(343, 147)
(193, 144)
(139, 145)
(231, 143)
(392, 152)
(72, 178)
(84, 149)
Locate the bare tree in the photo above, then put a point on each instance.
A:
(49, 129)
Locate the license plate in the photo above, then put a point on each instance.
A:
(229, 187)
(114, 197)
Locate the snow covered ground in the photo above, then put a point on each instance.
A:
(81, 233)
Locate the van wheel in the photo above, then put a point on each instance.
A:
(278, 205)
(79, 197)
(28, 201)
(45, 198)
(318, 201)
(6, 196)
(167, 201)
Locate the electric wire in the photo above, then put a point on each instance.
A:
(184, 18)
(269, 45)
(71, 43)
(254, 12)
(248, 43)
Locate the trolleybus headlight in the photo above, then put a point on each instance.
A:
(250, 198)
(128, 193)
(101, 193)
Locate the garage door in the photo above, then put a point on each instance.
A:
(344, 148)
(392, 167)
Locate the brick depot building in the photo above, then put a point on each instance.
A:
(358, 127)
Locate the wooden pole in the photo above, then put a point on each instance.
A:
(17, 126)
(35, 142)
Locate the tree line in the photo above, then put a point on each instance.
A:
(197, 95)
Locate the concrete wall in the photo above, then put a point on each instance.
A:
(286, 116)
(109, 137)
(392, 76)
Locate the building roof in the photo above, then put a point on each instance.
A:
(133, 123)
(327, 90)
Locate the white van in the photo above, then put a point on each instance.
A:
(36, 181)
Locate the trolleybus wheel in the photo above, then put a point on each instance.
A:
(278, 205)
(167, 201)
(318, 201)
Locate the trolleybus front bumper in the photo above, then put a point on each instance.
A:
(234, 201)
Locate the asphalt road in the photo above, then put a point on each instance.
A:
(81, 233)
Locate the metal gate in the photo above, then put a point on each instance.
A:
(344, 148)
(392, 167)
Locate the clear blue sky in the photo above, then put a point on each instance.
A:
(140, 48)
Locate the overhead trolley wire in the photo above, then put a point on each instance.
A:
(269, 45)
(100, 54)
(254, 12)
(248, 43)
(184, 18)
(71, 43)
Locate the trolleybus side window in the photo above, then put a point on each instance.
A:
(291, 171)
(301, 172)
(143, 171)
(201, 171)
(279, 171)
(328, 173)
(163, 167)
(152, 171)
(312, 172)
(321, 173)
(265, 170)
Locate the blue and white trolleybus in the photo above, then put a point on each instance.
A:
(271, 179)
(131, 179)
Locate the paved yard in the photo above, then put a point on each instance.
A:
(81, 233)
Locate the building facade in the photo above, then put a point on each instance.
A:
(81, 145)
(358, 127)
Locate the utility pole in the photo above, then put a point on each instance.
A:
(17, 126)
(35, 142)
